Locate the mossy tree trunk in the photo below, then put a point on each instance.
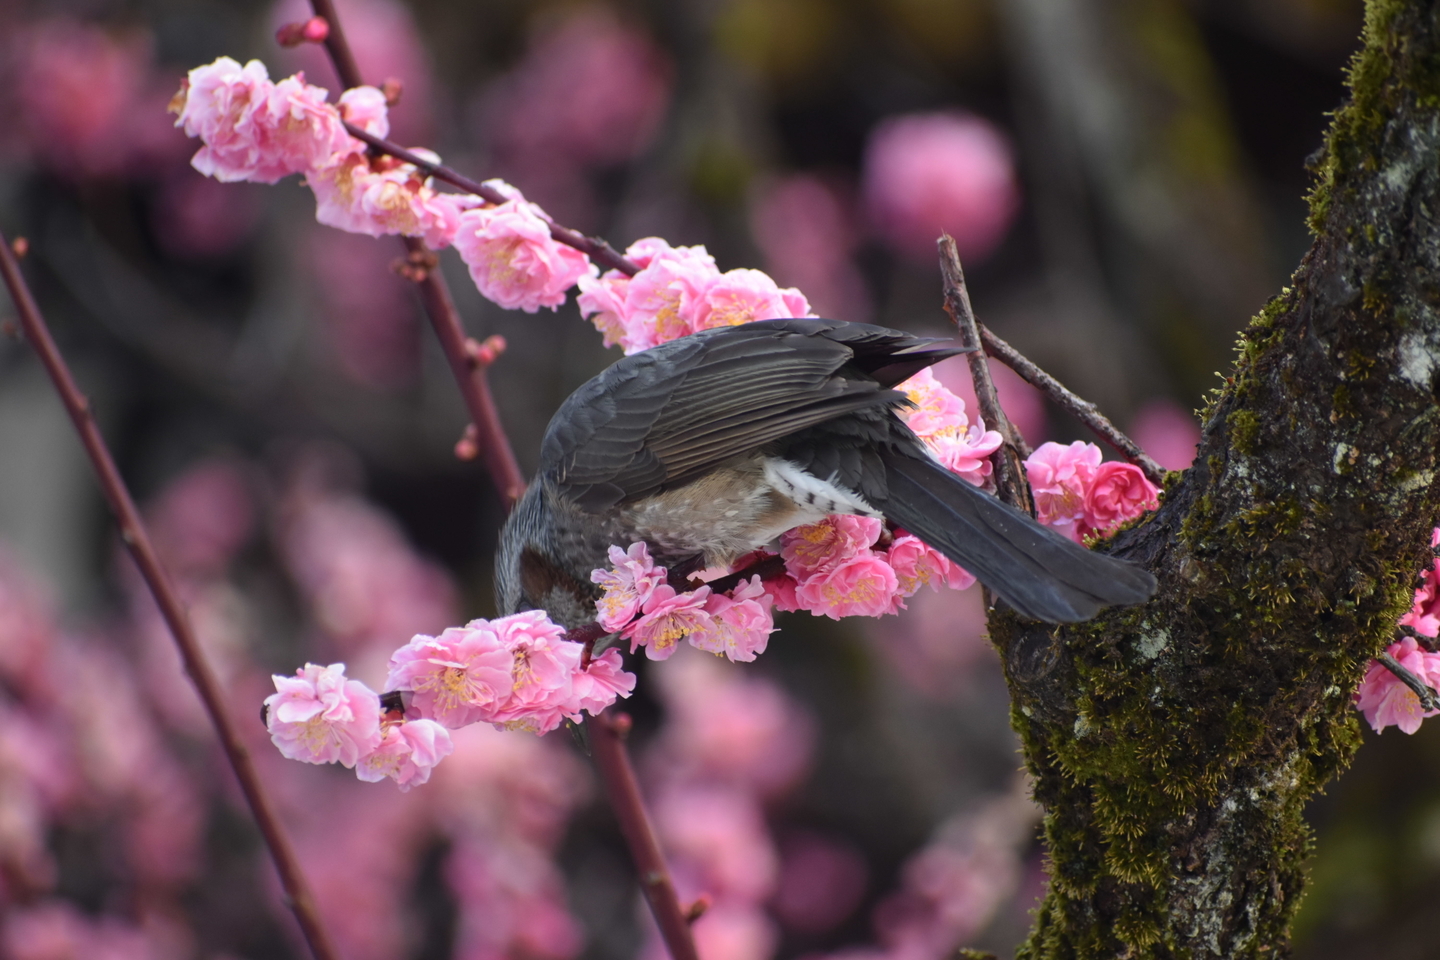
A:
(1175, 745)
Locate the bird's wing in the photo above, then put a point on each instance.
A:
(665, 416)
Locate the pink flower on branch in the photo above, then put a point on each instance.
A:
(669, 617)
(740, 624)
(319, 716)
(512, 257)
(1384, 698)
(1118, 492)
(1424, 615)
(458, 678)
(1059, 476)
(815, 547)
(862, 586)
(917, 564)
(628, 585)
(744, 296)
(384, 197)
(407, 753)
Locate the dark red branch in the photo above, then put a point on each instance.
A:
(1009, 472)
(607, 743)
(611, 759)
(1083, 410)
(137, 541)
(596, 249)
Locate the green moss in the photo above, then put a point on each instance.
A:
(1244, 427)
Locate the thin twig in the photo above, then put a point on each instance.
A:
(611, 758)
(1429, 698)
(607, 743)
(1083, 410)
(595, 248)
(132, 532)
(470, 375)
(1009, 472)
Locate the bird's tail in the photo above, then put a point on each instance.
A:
(1035, 570)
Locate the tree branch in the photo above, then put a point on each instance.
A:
(137, 541)
(1010, 479)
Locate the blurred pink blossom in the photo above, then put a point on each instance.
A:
(366, 108)
(936, 642)
(807, 235)
(318, 716)
(1383, 697)
(1167, 432)
(77, 89)
(196, 217)
(407, 752)
(734, 931)
(628, 583)
(719, 834)
(513, 259)
(370, 324)
(27, 625)
(202, 518)
(510, 898)
(56, 930)
(366, 585)
(822, 881)
(932, 173)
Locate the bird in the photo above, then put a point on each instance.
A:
(710, 446)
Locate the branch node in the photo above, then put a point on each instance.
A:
(697, 909)
(481, 355)
(392, 88)
(10, 329)
(621, 725)
(416, 266)
(467, 448)
(20, 246)
(314, 30)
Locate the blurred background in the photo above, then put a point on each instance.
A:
(1125, 180)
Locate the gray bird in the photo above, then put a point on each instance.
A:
(712, 445)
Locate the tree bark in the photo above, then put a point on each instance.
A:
(1174, 745)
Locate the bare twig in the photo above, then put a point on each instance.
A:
(1083, 410)
(595, 248)
(1009, 471)
(1429, 698)
(607, 743)
(133, 533)
(611, 758)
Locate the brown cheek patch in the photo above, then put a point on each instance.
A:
(539, 576)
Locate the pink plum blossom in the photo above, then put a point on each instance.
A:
(740, 624)
(862, 586)
(917, 564)
(668, 618)
(663, 300)
(406, 754)
(542, 666)
(940, 172)
(384, 196)
(937, 415)
(602, 299)
(966, 453)
(600, 684)
(629, 583)
(1385, 700)
(318, 716)
(514, 260)
(460, 677)
(257, 130)
(366, 108)
(1118, 492)
(814, 547)
(1059, 476)
(744, 296)
(1424, 615)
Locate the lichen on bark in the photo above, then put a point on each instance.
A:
(1175, 745)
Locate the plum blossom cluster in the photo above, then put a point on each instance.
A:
(257, 130)
(1078, 495)
(516, 672)
(1383, 697)
(679, 291)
